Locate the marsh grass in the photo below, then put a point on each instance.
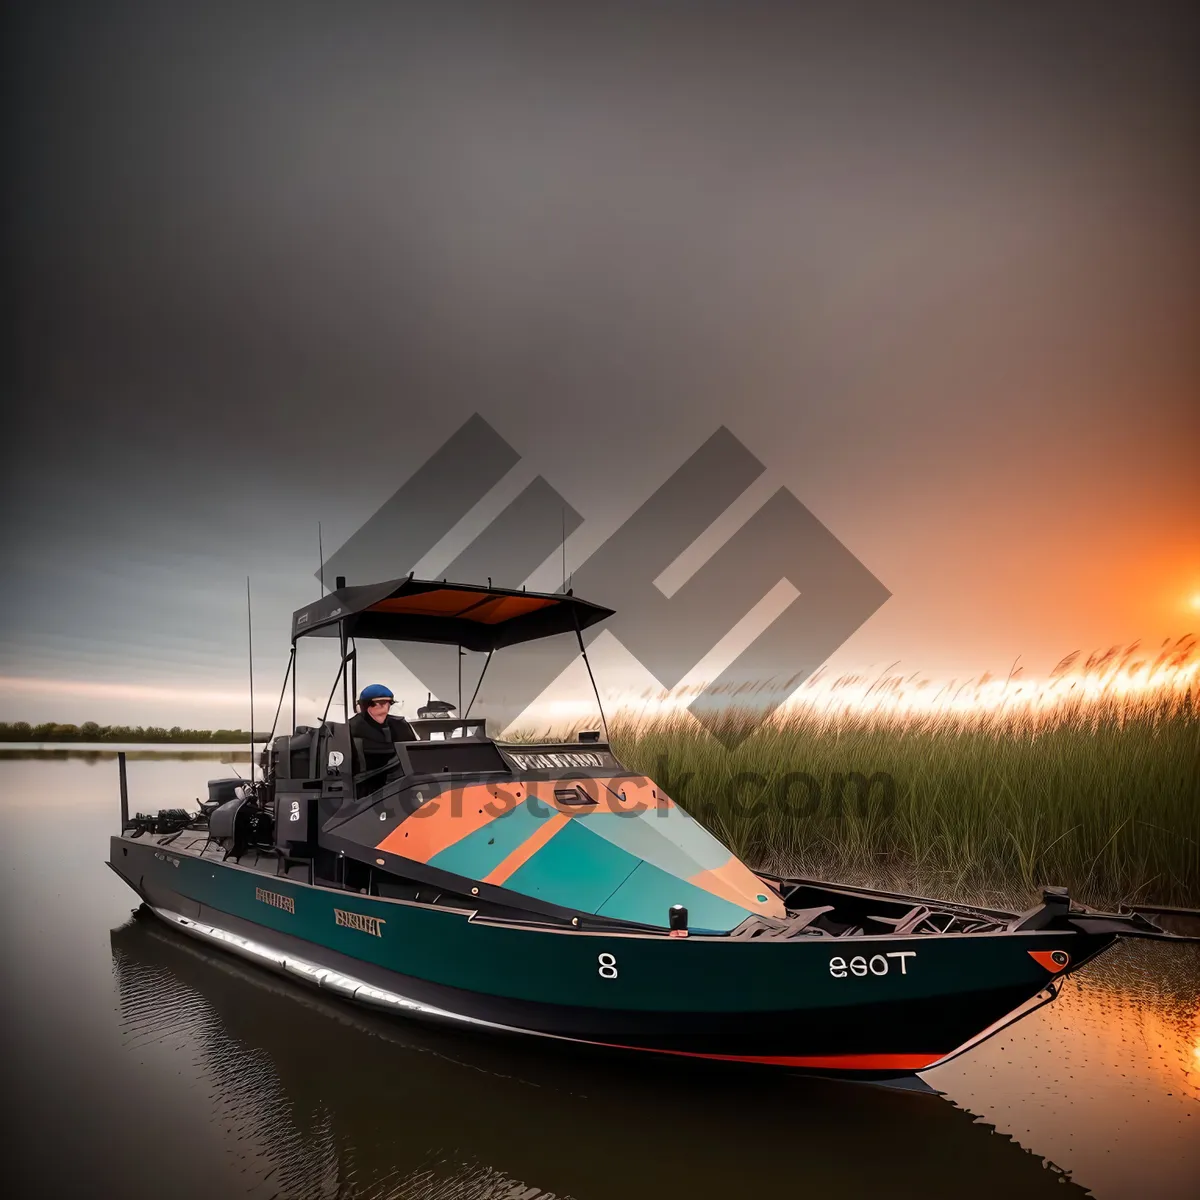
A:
(1097, 789)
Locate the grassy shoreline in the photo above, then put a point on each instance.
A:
(90, 731)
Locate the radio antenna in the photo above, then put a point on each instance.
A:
(250, 649)
(321, 558)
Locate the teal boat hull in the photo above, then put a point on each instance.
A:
(866, 1006)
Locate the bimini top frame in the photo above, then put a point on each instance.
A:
(452, 614)
(465, 615)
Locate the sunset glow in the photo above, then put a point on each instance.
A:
(1119, 680)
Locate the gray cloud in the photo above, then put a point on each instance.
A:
(936, 268)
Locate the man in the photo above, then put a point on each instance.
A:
(377, 728)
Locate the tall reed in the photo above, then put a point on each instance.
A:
(1090, 780)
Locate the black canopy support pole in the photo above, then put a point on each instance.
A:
(583, 651)
(460, 654)
(341, 676)
(282, 693)
(295, 672)
(345, 675)
(486, 663)
(250, 650)
(353, 672)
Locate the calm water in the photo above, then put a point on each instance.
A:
(139, 1064)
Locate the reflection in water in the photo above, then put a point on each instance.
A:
(1105, 1080)
(187, 1073)
(245, 1093)
(320, 1100)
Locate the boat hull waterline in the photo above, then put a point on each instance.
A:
(864, 1007)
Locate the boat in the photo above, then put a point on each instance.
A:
(326, 1123)
(547, 891)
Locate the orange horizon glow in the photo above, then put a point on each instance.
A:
(1121, 676)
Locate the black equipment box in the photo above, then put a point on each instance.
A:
(295, 819)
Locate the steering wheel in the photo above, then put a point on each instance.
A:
(394, 761)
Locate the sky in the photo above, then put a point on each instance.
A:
(934, 266)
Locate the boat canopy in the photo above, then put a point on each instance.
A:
(453, 614)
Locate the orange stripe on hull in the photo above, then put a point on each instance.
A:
(526, 850)
(449, 817)
(735, 882)
(833, 1062)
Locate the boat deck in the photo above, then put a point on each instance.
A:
(267, 862)
(196, 843)
(813, 910)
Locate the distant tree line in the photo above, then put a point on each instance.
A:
(89, 731)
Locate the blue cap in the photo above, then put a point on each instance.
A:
(375, 691)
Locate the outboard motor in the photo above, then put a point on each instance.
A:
(222, 790)
(240, 823)
(229, 826)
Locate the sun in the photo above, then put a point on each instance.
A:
(1195, 601)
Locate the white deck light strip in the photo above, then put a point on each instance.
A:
(325, 977)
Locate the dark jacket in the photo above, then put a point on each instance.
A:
(378, 738)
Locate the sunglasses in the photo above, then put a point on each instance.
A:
(380, 703)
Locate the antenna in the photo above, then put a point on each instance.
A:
(321, 558)
(564, 548)
(250, 649)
